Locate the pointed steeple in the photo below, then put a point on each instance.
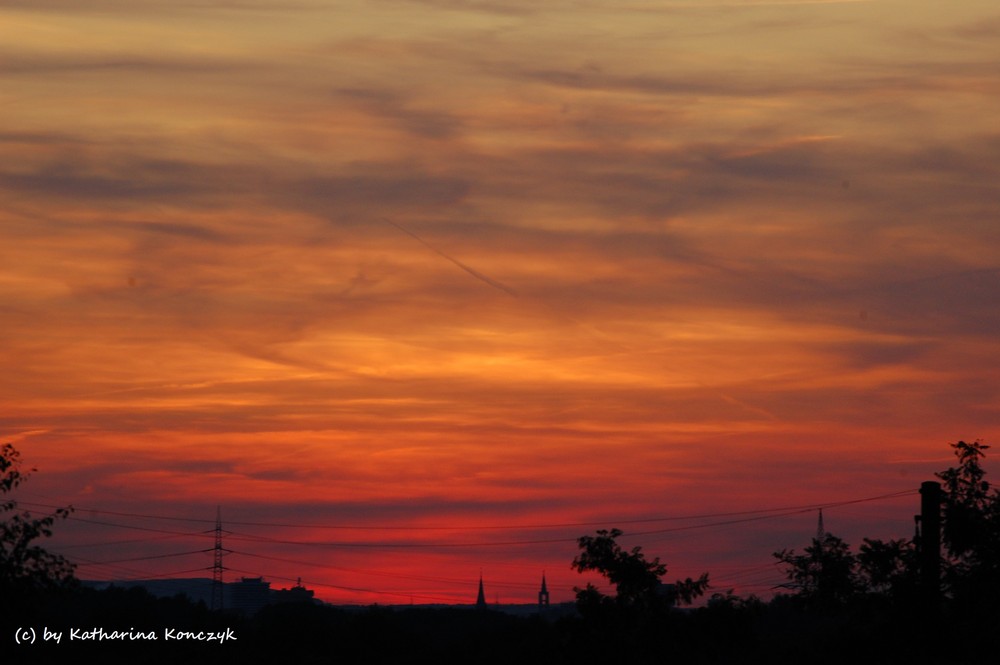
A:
(543, 595)
(481, 598)
(820, 531)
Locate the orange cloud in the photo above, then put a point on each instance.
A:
(751, 270)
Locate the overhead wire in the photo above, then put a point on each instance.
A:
(418, 578)
(240, 536)
(383, 544)
(732, 578)
(354, 589)
(484, 527)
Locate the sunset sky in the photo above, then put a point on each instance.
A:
(415, 290)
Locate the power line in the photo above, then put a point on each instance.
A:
(140, 528)
(419, 578)
(391, 544)
(239, 536)
(156, 556)
(483, 527)
(743, 578)
(138, 575)
(799, 511)
(348, 588)
(126, 541)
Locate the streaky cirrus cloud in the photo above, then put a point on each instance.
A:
(753, 269)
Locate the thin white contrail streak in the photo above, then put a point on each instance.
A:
(475, 273)
(495, 284)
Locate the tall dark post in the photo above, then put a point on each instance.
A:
(217, 567)
(930, 543)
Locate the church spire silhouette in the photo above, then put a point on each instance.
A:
(481, 598)
(543, 595)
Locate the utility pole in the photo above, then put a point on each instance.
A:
(217, 566)
(930, 544)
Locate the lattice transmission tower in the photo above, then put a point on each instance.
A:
(217, 567)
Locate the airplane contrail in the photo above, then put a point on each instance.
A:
(475, 273)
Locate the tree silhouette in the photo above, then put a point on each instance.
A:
(826, 575)
(638, 582)
(970, 510)
(829, 574)
(889, 568)
(25, 566)
(971, 529)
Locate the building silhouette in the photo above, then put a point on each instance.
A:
(481, 598)
(543, 596)
(297, 594)
(249, 595)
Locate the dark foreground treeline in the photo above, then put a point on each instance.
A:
(727, 630)
(934, 599)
